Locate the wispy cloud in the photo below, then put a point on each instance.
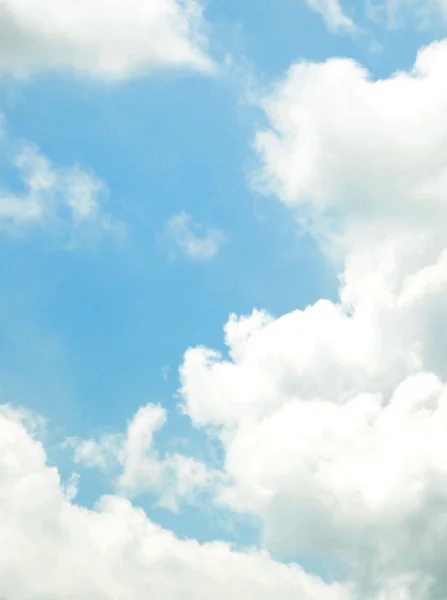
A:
(172, 477)
(192, 240)
(66, 202)
(333, 15)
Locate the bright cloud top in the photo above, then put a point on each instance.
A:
(191, 240)
(333, 419)
(51, 548)
(109, 39)
(374, 148)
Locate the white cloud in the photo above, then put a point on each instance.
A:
(369, 163)
(52, 549)
(332, 14)
(333, 419)
(109, 39)
(64, 201)
(191, 240)
(321, 151)
(140, 463)
(173, 478)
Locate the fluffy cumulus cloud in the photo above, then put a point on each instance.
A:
(190, 240)
(50, 548)
(172, 478)
(64, 201)
(333, 419)
(109, 39)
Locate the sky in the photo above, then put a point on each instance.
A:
(223, 299)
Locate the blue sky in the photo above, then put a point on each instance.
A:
(87, 333)
(92, 331)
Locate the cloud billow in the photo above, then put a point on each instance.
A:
(334, 418)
